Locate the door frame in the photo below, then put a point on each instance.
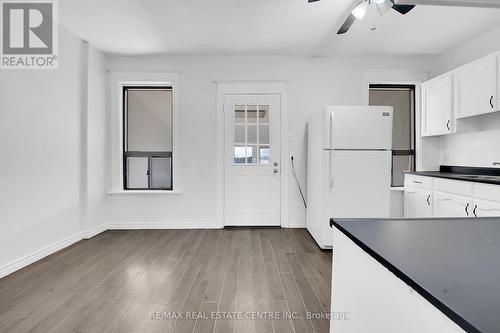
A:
(224, 88)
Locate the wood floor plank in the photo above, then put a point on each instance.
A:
(296, 305)
(309, 298)
(261, 295)
(283, 322)
(227, 304)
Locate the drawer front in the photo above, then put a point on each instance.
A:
(418, 181)
(487, 192)
(453, 186)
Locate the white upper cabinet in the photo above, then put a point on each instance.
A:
(476, 88)
(437, 106)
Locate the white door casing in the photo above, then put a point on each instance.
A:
(252, 159)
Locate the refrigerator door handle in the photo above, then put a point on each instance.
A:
(330, 167)
(331, 131)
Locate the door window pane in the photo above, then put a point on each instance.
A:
(264, 155)
(161, 173)
(252, 114)
(252, 154)
(239, 154)
(251, 134)
(239, 114)
(264, 114)
(239, 134)
(137, 172)
(264, 134)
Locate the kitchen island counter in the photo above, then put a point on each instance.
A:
(453, 263)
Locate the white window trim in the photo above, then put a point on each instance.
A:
(118, 81)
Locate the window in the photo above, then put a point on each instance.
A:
(402, 98)
(251, 134)
(147, 138)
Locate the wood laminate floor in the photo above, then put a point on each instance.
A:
(231, 280)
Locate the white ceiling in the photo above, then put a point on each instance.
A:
(278, 27)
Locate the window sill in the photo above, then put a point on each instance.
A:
(145, 192)
(398, 189)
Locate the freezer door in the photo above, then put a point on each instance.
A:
(358, 127)
(358, 185)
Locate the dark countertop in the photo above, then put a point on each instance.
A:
(470, 174)
(454, 262)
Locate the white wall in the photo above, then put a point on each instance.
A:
(44, 183)
(41, 140)
(314, 83)
(477, 142)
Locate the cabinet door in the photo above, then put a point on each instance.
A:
(475, 88)
(417, 202)
(483, 208)
(451, 205)
(438, 106)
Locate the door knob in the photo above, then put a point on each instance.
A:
(275, 164)
(275, 170)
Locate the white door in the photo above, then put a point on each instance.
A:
(476, 86)
(252, 160)
(437, 106)
(451, 205)
(417, 202)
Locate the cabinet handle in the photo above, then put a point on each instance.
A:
(467, 209)
(448, 125)
(491, 102)
(429, 200)
(417, 182)
(474, 211)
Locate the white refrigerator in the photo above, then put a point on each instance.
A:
(349, 162)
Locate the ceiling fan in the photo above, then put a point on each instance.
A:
(404, 6)
(383, 6)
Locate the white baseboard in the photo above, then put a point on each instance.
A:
(47, 251)
(163, 225)
(296, 224)
(95, 231)
(40, 254)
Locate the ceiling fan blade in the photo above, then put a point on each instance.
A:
(384, 7)
(347, 24)
(312, 1)
(403, 9)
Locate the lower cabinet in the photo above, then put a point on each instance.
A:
(451, 205)
(417, 202)
(484, 208)
(432, 197)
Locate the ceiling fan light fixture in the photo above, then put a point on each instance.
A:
(360, 11)
(378, 1)
(383, 6)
